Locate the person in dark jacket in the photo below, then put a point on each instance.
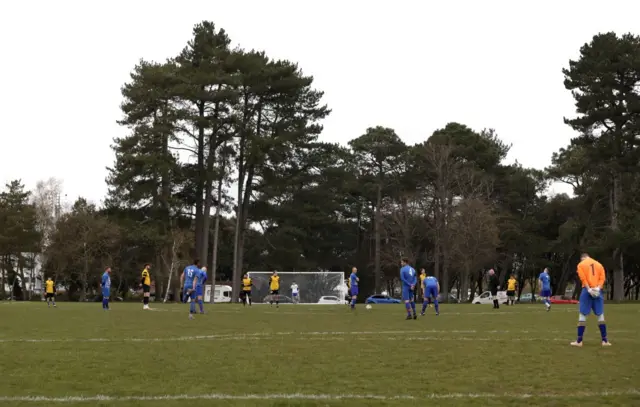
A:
(494, 285)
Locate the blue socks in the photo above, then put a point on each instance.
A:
(201, 304)
(105, 303)
(413, 307)
(192, 307)
(408, 306)
(603, 331)
(426, 303)
(353, 303)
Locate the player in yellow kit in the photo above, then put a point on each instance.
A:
(145, 283)
(245, 295)
(274, 285)
(423, 275)
(512, 285)
(50, 290)
(592, 276)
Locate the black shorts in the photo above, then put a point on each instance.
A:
(146, 288)
(511, 293)
(275, 292)
(50, 295)
(494, 292)
(245, 294)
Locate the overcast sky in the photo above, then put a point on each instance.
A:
(409, 65)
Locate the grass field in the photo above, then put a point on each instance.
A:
(322, 355)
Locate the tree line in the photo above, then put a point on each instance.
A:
(222, 161)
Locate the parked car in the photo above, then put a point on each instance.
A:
(382, 299)
(331, 299)
(282, 299)
(485, 298)
(558, 299)
(452, 298)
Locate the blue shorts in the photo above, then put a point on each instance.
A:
(199, 291)
(545, 293)
(106, 293)
(588, 303)
(431, 292)
(354, 291)
(294, 294)
(191, 295)
(407, 293)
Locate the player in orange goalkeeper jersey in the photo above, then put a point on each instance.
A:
(592, 276)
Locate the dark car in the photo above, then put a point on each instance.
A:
(382, 299)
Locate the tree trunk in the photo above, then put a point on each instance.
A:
(377, 272)
(505, 268)
(244, 200)
(618, 259)
(159, 277)
(85, 275)
(463, 292)
(244, 214)
(236, 249)
(23, 282)
(208, 191)
(561, 287)
(436, 250)
(165, 195)
(201, 180)
(206, 224)
(171, 266)
(216, 236)
(236, 241)
(3, 292)
(446, 260)
(445, 281)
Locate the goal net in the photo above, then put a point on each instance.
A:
(312, 285)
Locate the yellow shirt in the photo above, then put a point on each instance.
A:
(146, 278)
(511, 284)
(274, 283)
(246, 284)
(50, 285)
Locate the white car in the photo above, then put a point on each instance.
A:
(331, 299)
(485, 298)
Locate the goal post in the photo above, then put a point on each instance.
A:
(312, 285)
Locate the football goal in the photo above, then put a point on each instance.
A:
(312, 286)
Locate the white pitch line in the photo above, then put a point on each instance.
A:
(309, 335)
(453, 339)
(302, 396)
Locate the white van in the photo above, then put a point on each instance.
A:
(221, 293)
(485, 298)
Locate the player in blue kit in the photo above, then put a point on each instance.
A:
(353, 285)
(189, 281)
(202, 277)
(409, 280)
(545, 292)
(431, 289)
(106, 288)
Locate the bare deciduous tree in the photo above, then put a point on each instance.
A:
(476, 239)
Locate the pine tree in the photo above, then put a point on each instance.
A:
(605, 83)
